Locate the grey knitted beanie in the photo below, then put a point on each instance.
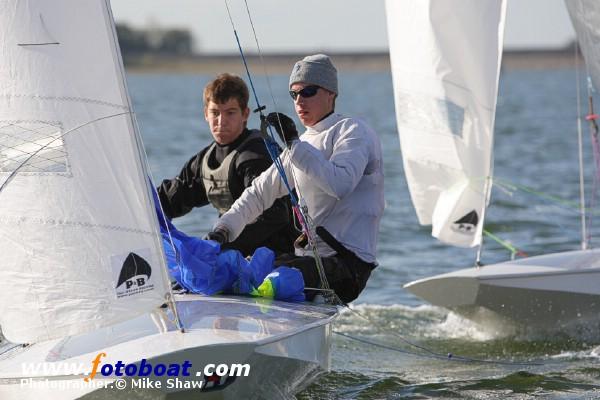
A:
(315, 70)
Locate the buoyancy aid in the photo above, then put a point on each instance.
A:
(217, 181)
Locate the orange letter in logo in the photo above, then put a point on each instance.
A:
(95, 366)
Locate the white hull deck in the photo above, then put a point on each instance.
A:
(285, 344)
(545, 291)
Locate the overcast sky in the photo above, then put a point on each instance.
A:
(328, 25)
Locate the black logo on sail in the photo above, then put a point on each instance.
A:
(134, 276)
(467, 223)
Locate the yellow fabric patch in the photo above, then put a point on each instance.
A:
(266, 289)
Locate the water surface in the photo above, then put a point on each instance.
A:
(535, 148)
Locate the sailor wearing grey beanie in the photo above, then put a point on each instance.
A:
(337, 167)
(314, 87)
(315, 70)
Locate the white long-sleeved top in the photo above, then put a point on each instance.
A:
(338, 170)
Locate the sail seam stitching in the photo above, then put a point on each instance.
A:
(21, 220)
(66, 98)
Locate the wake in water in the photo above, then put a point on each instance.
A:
(562, 365)
(446, 332)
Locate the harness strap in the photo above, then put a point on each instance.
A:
(339, 248)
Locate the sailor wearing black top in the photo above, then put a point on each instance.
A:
(220, 172)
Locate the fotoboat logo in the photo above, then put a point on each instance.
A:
(147, 374)
(134, 276)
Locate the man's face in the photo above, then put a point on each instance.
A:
(227, 120)
(312, 109)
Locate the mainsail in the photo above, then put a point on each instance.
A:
(445, 58)
(585, 15)
(78, 234)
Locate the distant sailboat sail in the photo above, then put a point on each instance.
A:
(585, 15)
(78, 234)
(445, 58)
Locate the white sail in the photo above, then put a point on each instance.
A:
(585, 16)
(445, 58)
(78, 235)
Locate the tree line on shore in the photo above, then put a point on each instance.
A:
(154, 40)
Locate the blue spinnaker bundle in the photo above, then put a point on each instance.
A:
(201, 267)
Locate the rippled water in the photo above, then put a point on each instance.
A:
(536, 149)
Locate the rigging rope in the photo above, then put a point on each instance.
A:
(568, 205)
(300, 208)
(436, 356)
(591, 118)
(426, 351)
(513, 250)
(565, 204)
(262, 61)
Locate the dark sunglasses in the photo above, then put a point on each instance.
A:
(308, 91)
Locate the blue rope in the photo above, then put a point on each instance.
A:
(271, 144)
(300, 211)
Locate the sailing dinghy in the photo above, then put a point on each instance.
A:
(446, 60)
(83, 274)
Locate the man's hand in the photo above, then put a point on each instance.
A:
(218, 235)
(289, 133)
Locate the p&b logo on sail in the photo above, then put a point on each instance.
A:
(467, 223)
(133, 276)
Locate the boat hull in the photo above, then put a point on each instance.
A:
(545, 291)
(285, 346)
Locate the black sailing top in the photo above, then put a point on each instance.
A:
(273, 229)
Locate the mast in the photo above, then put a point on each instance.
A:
(580, 154)
(141, 154)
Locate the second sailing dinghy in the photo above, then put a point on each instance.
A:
(446, 60)
(83, 280)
